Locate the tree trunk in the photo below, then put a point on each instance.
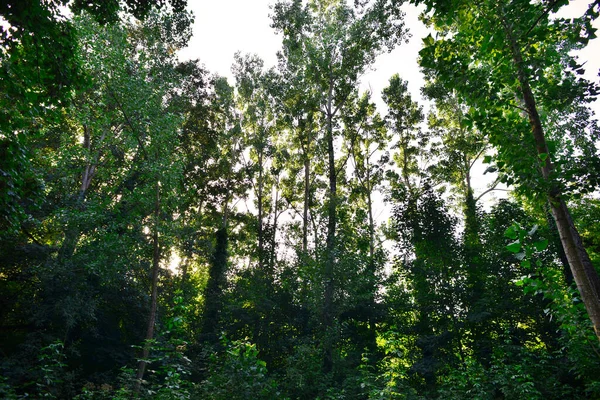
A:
(153, 296)
(272, 257)
(330, 244)
(584, 274)
(73, 233)
(261, 239)
(306, 193)
(371, 318)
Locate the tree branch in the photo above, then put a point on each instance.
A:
(491, 189)
(550, 6)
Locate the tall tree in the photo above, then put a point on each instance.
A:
(404, 118)
(227, 184)
(518, 67)
(335, 44)
(367, 138)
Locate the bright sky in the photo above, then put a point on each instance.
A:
(246, 28)
(223, 27)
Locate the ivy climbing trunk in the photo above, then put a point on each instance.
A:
(154, 295)
(214, 287)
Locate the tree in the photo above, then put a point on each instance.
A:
(403, 118)
(40, 70)
(335, 45)
(435, 278)
(366, 139)
(258, 124)
(539, 76)
(228, 182)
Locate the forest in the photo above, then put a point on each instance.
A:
(168, 233)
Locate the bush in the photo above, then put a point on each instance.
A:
(238, 373)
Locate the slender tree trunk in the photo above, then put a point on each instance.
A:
(306, 204)
(315, 234)
(67, 249)
(306, 192)
(405, 171)
(369, 189)
(272, 258)
(371, 233)
(584, 274)
(476, 279)
(153, 296)
(330, 242)
(261, 239)
(371, 318)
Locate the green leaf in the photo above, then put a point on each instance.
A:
(511, 232)
(514, 247)
(526, 264)
(541, 245)
(543, 156)
(428, 41)
(487, 159)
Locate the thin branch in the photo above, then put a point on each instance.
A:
(550, 6)
(520, 108)
(492, 188)
(128, 120)
(484, 148)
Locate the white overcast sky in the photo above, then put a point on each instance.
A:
(225, 26)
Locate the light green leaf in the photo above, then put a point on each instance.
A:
(428, 41)
(511, 232)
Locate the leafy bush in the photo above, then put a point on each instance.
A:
(238, 373)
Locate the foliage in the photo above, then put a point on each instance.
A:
(238, 374)
(229, 235)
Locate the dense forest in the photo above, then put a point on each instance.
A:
(168, 233)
